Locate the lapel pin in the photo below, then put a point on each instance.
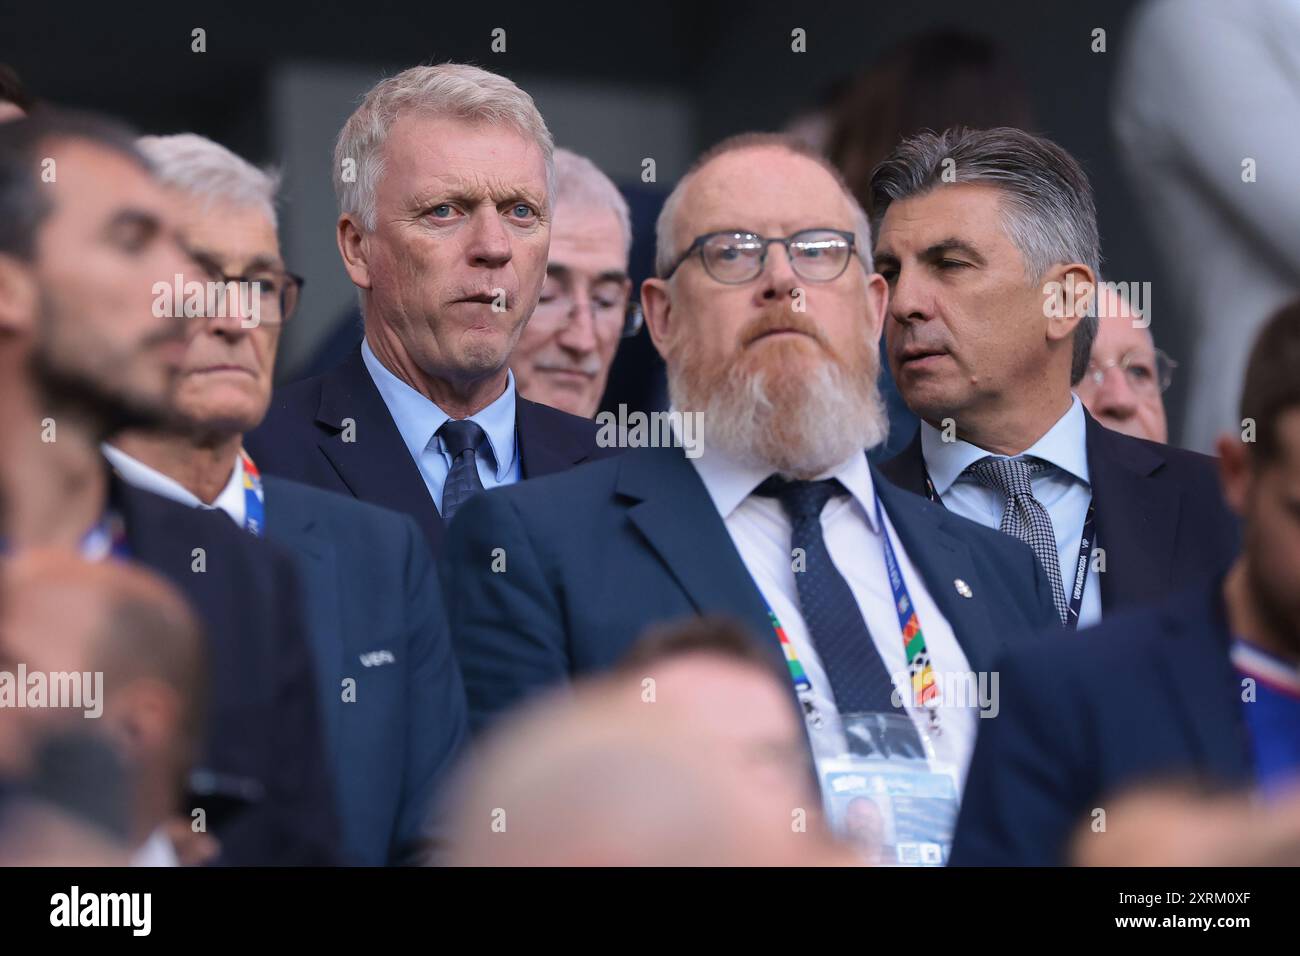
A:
(963, 588)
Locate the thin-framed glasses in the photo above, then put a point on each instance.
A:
(730, 257)
(278, 289)
(1143, 374)
(610, 310)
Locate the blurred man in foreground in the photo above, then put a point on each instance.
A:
(389, 690)
(1203, 687)
(82, 260)
(687, 756)
(136, 643)
(567, 347)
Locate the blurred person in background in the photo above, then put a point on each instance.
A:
(81, 261)
(565, 351)
(371, 593)
(1127, 375)
(1203, 687)
(688, 755)
(446, 185)
(1203, 97)
(136, 635)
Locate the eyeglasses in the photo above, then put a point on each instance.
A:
(608, 312)
(816, 255)
(1141, 373)
(278, 289)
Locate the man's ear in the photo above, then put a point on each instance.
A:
(1236, 471)
(18, 297)
(656, 304)
(1069, 292)
(878, 299)
(353, 249)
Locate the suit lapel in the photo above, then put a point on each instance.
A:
(674, 513)
(942, 557)
(907, 468)
(543, 449)
(376, 467)
(297, 531)
(1137, 519)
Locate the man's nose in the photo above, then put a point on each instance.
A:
(778, 279)
(908, 297)
(489, 244)
(1115, 395)
(579, 331)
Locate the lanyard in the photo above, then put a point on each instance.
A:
(254, 497)
(1086, 544)
(919, 668)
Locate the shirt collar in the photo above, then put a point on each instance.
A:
(1065, 445)
(418, 419)
(729, 482)
(136, 473)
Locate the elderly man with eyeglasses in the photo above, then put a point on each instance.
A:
(387, 688)
(1127, 375)
(767, 311)
(565, 352)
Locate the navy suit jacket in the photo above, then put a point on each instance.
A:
(262, 780)
(1150, 696)
(596, 555)
(302, 438)
(1161, 517)
(375, 616)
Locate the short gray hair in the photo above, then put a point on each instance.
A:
(1048, 209)
(666, 253)
(448, 89)
(579, 181)
(205, 169)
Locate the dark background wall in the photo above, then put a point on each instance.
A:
(709, 69)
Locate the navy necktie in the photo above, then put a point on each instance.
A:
(859, 679)
(463, 438)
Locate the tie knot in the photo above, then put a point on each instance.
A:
(801, 499)
(1011, 476)
(461, 436)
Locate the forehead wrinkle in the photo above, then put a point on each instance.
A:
(475, 186)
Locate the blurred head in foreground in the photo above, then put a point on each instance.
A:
(690, 754)
(121, 656)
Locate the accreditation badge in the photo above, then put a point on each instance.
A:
(887, 796)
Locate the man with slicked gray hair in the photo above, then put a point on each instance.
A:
(988, 240)
(446, 183)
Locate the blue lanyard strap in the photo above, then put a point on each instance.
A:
(1086, 544)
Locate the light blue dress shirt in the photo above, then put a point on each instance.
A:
(419, 419)
(1065, 490)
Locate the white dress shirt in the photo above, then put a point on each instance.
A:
(140, 475)
(419, 419)
(1065, 490)
(156, 851)
(761, 532)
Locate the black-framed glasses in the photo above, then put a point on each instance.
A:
(730, 257)
(1143, 374)
(278, 289)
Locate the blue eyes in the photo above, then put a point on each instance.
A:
(447, 211)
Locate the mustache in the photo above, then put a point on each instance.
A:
(782, 320)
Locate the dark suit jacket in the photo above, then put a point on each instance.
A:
(595, 555)
(301, 438)
(374, 613)
(1161, 517)
(1150, 695)
(263, 724)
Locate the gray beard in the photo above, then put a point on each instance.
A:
(795, 427)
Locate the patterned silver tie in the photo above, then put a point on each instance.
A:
(1023, 515)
